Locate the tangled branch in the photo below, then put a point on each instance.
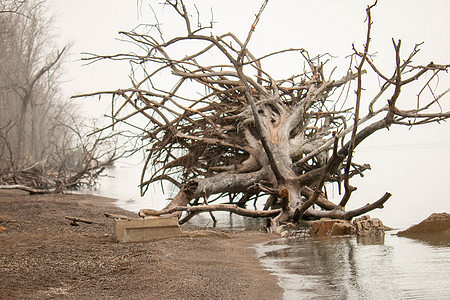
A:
(249, 136)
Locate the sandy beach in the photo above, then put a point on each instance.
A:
(43, 256)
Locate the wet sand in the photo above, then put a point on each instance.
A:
(43, 256)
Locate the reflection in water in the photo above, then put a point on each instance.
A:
(434, 239)
(372, 239)
(227, 220)
(342, 268)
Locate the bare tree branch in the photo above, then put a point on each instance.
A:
(228, 128)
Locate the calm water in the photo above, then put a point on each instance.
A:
(331, 268)
(342, 268)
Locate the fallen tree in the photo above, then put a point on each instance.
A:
(75, 158)
(253, 137)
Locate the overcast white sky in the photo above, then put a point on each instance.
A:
(411, 164)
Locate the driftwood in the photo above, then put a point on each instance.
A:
(250, 136)
(213, 207)
(335, 212)
(27, 188)
(117, 217)
(75, 219)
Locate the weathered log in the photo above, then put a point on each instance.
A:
(339, 213)
(27, 189)
(213, 207)
(368, 207)
(75, 219)
(119, 217)
(321, 200)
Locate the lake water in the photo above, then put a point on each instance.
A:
(343, 268)
(330, 268)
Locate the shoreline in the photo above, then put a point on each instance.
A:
(43, 256)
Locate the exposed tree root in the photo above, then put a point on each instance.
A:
(250, 136)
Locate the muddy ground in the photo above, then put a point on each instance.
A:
(42, 256)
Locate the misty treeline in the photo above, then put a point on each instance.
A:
(44, 145)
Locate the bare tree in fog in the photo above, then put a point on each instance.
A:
(11, 6)
(42, 142)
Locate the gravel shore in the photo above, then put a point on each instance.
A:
(43, 256)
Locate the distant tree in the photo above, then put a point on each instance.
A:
(29, 73)
(11, 6)
(251, 136)
(42, 142)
